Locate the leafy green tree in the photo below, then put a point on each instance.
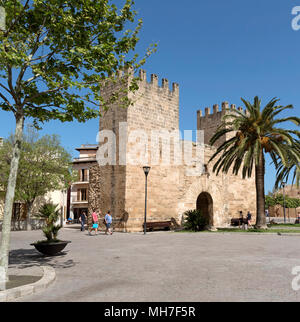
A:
(269, 201)
(256, 133)
(54, 55)
(44, 166)
(286, 201)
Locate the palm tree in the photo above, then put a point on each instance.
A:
(254, 134)
(293, 166)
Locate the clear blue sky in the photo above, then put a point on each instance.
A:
(216, 50)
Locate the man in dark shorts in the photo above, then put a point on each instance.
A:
(249, 216)
(82, 219)
(108, 222)
(241, 221)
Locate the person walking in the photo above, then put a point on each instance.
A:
(82, 219)
(95, 223)
(108, 222)
(249, 217)
(298, 218)
(241, 221)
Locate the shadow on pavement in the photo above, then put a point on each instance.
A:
(24, 258)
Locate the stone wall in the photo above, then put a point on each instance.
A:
(291, 191)
(210, 121)
(121, 188)
(156, 108)
(36, 224)
(107, 182)
(105, 194)
(230, 193)
(277, 211)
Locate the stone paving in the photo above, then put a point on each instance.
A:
(23, 285)
(164, 266)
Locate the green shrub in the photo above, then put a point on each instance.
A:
(195, 220)
(280, 200)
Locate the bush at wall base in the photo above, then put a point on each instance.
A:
(194, 220)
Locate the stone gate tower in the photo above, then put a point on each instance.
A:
(120, 186)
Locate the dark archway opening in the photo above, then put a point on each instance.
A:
(205, 205)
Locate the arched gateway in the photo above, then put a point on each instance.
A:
(205, 205)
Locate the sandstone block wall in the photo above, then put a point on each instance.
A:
(121, 188)
(277, 211)
(155, 108)
(211, 120)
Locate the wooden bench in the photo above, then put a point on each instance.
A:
(238, 221)
(163, 225)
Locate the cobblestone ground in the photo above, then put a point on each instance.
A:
(164, 266)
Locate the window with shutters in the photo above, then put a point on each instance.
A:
(83, 195)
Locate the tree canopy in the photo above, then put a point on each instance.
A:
(258, 130)
(278, 199)
(54, 55)
(291, 169)
(44, 166)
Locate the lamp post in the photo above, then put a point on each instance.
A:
(283, 185)
(146, 171)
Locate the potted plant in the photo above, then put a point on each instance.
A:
(51, 245)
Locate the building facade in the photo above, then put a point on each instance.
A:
(19, 212)
(80, 190)
(172, 189)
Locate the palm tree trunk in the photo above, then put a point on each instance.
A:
(9, 199)
(260, 192)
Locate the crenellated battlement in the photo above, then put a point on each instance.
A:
(225, 107)
(153, 105)
(154, 83)
(211, 119)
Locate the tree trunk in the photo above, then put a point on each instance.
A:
(260, 192)
(28, 215)
(9, 199)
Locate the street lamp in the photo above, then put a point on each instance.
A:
(146, 171)
(283, 184)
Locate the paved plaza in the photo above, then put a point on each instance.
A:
(164, 266)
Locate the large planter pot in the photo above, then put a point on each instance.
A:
(52, 248)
